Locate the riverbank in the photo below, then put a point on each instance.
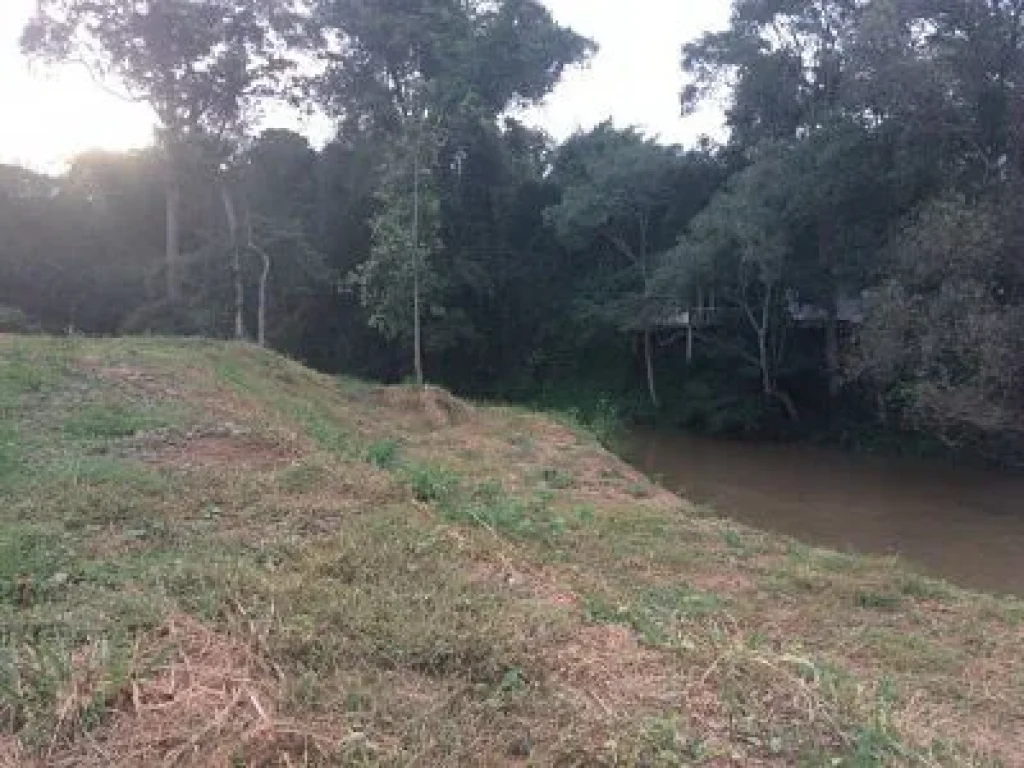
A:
(853, 429)
(962, 524)
(213, 556)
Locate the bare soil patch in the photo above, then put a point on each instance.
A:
(141, 380)
(220, 452)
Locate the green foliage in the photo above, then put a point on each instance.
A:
(734, 540)
(31, 557)
(384, 454)
(10, 451)
(596, 416)
(14, 320)
(387, 280)
(947, 291)
(100, 422)
(878, 601)
(624, 197)
(167, 318)
(469, 55)
(513, 681)
(655, 613)
(526, 519)
(433, 484)
(27, 372)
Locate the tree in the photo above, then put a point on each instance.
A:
(785, 62)
(395, 283)
(940, 339)
(738, 250)
(405, 72)
(78, 250)
(943, 337)
(200, 65)
(277, 187)
(618, 191)
(487, 55)
(791, 66)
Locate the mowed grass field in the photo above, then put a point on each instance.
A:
(211, 556)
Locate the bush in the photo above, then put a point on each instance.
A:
(13, 320)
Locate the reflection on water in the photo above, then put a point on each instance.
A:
(965, 526)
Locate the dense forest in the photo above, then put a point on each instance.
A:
(845, 265)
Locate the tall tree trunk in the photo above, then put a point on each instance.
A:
(172, 257)
(787, 404)
(649, 360)
(767, 380)
(417, 324)
(767, 363)
(236, 258)
(261, 311)
(262, 316)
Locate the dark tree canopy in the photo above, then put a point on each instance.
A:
(390, 55)
(843, 266)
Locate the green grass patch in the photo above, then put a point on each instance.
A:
(878, 601)
(599, 420)
(384, 454)
(110, 422)
(432, 484)
(10, 451)
(323, 428)
(28, 369)
(734, 540)
(29, 558)
(515, 518)
(656, 614)
(919, 587)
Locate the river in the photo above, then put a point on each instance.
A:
(962, 525)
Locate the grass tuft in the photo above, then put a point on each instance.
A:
(383, 454)
(433, 484)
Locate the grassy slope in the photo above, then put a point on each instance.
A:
(212, 556)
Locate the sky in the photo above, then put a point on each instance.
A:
(49, 114)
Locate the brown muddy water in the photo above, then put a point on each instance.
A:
(962, 525)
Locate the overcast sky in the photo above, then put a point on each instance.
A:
(48, 116)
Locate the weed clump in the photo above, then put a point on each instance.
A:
(433, 484)
(383, 454)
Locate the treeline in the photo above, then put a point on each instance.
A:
(847, 264)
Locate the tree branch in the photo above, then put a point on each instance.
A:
(98, 81)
